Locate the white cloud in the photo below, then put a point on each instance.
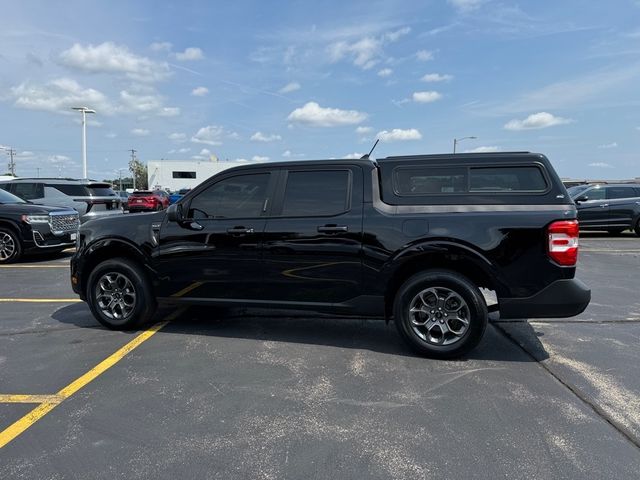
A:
(536, 121)
(184, 150)
(483, 149)
(59, 96)
(190, 54)
(177, 137)
(385, 72)
(161, 46)
(398, 134)
(426, 97)
(205, 151)
(111, 58)
(111, 135)
(424, 55)
(56, 159)
(353, 156)
(140, 102)
(600, 165)
(286, 153)
(140, 132)
(436, 77)
(290, 87)
(314, 115)
(609, 145)
(365, 52)
(209, 135)
(258, 158)
(169, 112)
(261, 137)
(199, 91)
(363, 130)
(466, 6)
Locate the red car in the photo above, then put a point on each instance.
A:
(148, 201)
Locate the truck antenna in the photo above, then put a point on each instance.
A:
(366, 157)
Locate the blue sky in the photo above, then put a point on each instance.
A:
(304, 80)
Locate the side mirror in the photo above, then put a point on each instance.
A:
(174, 213)
(582, 198)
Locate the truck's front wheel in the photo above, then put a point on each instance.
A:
(440, 314)
(119, 294)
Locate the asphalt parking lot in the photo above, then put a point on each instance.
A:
(210, 393)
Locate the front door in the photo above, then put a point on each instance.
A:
(214, 253)
(313, 238)
(595, 211)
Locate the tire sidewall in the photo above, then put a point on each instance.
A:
(145, 301)
(463, 287)
(16, 240)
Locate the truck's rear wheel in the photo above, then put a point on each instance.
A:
(119, 294)
(440, 314)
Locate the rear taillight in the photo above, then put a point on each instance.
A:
(563, 242)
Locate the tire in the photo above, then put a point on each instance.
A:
(10, 246)
(615, 231)
(125, 283)
(637, 227)
(435, 296)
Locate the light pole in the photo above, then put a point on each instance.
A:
(458, 140)
(120, 176)
(84, 111)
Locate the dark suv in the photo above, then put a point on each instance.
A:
(611, 207)
(412, 239)
(28, 228)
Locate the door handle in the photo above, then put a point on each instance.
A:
(239, 230)
(604, 205)
(333, 228)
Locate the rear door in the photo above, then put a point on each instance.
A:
(313, 238)
(595, 211)
(623, 205)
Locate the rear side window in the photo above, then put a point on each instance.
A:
(71, 190)
(459, 180)
(28, 191)
(620, 192)
(101, 192)
(316, 193)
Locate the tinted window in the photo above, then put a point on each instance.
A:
(596, 193)
(576, 190)
(6, 197)
(29, 191)
(430, 180)
(101, 192)
(71, 190)
(620, 192)
(316, 192)
(184, 174)
(506, 179)
(241, 196)
(4, 186)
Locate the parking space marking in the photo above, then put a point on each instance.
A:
(608, 250)
(31, 398)
(186, 290)
(40, 300)
(18, 427)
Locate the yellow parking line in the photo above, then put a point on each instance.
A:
(30, 398)
(186, 290)
(41, 410)
(40, 300)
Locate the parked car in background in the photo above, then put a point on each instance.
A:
(124, 198)
(90, 199)
(610, 207)
(28, 228)
(148, 201)
(175, 196)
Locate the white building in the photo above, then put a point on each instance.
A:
(176, 174)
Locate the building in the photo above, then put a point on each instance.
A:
(176, 174)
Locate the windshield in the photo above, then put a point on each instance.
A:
(7, 198)
(576, 190)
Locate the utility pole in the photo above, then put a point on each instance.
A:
(38, 170)
(133, 171)
(12, 165)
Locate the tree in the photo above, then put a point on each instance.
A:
(139, 171)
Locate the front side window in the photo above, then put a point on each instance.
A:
(316, 193)
(242, 196)
(596, 193)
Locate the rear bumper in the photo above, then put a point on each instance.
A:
(562, 298)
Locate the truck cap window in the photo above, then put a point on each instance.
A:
(427, 180)
(316, 193)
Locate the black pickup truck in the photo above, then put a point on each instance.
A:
(412, 238)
